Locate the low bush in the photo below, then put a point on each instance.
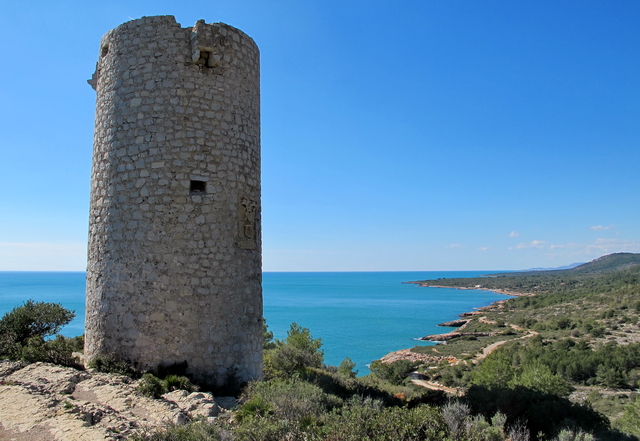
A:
(195, 431)
(288, 399)
(152, 386)
(178, 382)
(112, 364)
(395, 373)
(368, 420)
(57, 351)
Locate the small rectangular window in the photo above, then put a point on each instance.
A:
(197, 187)
(204, 58)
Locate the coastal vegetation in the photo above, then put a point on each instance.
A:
(579, 327)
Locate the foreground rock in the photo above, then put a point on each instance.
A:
(41, 402)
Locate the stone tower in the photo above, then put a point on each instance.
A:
(174, 265)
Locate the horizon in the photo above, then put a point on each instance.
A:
(436, 135)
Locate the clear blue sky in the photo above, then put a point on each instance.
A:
(396, 135)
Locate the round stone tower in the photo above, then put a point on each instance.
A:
(174, 265)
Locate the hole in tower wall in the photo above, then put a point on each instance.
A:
(104, 51)
(197, 187)
(204, 58)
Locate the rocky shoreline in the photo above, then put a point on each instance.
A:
(451, 335)
(465, 318)
(43, 402)
(454, 323)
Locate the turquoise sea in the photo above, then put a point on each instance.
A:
(362, 315)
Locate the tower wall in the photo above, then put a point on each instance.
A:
(174, 265)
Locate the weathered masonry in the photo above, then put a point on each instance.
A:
(174, 270)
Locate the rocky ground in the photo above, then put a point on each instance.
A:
(42, 401)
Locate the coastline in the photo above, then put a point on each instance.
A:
(455, 332)
(496, 290)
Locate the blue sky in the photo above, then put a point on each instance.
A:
(404, 135)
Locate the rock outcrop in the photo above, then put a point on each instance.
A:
(451, 335)
(454, 323)
(42, 401)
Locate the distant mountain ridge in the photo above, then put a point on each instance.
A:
(604, 264)
(573, 265)
(608, 263)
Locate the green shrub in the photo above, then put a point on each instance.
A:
(293, 354)
(290, 399)
(495, 371)
(151, 386)
(598, 331)
(56, 351)
(195, 431)
(35, 319)
(369, 420)
(570, 435)
(629, 422)
(75, 343)
(176, 382)
(255, 406)
(112, 364)
(267, 337)
(395, 373)
(346, 368)
(23, 333)
(270, 429)
(537, 376)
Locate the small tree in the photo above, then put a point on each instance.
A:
(629, 422)
(35, 319)
(24, 329)
(495, 371)
(346, 368)
(395, 373)
(537, 376)
(267, 337)
(298, 351)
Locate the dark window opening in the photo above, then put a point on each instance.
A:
(204, 58)
(197, 187)
(104, 51)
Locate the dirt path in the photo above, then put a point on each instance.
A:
(436, 386)
(485, 352)
(492, 347)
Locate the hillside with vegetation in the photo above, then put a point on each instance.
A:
(574, 333)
